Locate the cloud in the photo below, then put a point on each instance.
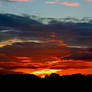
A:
(18, 0)
(29, 45)
(13, 64)
(72, 35)
(82, 56)
(89, 0)
(52, 2)
(71, 4)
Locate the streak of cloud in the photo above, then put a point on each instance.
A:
(52, 2)
(20, 0)
(89, 0)
(71, 4)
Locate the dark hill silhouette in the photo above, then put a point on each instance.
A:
(53, 76)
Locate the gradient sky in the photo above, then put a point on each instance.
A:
(28, 45)
(48, 8)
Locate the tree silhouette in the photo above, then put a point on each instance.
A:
(53, 76)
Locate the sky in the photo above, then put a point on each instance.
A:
(48, 8)
(30, 46)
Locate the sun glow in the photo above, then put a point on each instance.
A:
(44, 72)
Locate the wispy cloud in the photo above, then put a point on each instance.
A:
(89, 0)
(71, 4)
(52, 2)
(18, 0)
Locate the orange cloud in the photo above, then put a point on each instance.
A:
(76, 71)
(89, 0)
(62, 69)
(64, 3)
(71, 4)
(58, 65)
(52, 2)
(5, 44)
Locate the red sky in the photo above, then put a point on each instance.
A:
(29, 46)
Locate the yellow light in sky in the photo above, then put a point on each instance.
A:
(45, 71)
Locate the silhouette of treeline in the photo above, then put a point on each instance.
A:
(53, 76)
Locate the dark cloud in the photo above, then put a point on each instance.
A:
(72, 67)
(23, 36)
(23, 27)
(35, 49)
(82, 56)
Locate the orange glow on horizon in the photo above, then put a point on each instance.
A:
(44, 72)
(55, 65)
(26, 65)
(39, 72)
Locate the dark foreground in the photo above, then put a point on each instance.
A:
(52, 77)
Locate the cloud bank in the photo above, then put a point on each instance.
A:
(28, 45)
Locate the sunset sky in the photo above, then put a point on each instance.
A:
(48, 8)
(45, 36)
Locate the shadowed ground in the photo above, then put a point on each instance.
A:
(30, 77)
